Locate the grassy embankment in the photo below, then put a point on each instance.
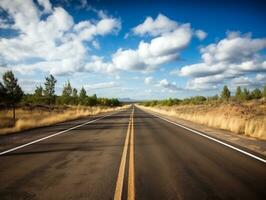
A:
(28, 118)
(247, 118)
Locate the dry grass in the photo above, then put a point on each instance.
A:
(38, 117)
(242, 118)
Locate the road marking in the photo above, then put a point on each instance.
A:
(55, 134)
(121, 172)
(131, 175)
(211, 138)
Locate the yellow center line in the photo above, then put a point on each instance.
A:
(131, 176)
(121, 173)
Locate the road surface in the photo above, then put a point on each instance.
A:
(130, 154)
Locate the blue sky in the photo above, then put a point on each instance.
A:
(140, 50)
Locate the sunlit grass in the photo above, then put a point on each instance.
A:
(38, 117)
(241, 118)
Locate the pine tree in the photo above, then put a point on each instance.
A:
(38, 91)
(66, 94)
(238, 94)
(264, 91)
(49, 90)
(75, 96)
(13, 91)
(225, 93)
(3, 93)
(94, 100)
(246, 94)
(256, 94)
(67, 90)
(82, 96)
(38, 94)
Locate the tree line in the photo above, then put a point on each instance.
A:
(11, 94)
(241, 94)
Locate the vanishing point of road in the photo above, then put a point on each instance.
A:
(129, 154)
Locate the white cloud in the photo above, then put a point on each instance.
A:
(158, 26)
(4, 24)
(201, 35)
(245, 81)
(169, 43)
(218, 80)
(164, 83)
(97, 64)
(148, 80)
(96, 44)
(205, 83)
(147, 91)
(84, 4)
(53, 42)
(46, 5)
(103, 85)
(29, 85)
(234, 56)
(56, 44)
(170, 40)
(235, 48)
(168, 85)
(200, 69)
(107, 25)
(261, 77)
(128, 60)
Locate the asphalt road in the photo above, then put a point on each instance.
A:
(130, 155)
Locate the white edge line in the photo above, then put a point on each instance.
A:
(211, 138)
(55, 134)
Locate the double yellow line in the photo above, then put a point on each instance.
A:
(129, 143)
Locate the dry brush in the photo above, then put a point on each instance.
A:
(242, 118)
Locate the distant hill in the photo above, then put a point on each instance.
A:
(127, 100)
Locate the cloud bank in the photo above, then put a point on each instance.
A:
(47, 38)
(234, 56)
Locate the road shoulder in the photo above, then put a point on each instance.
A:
(255, 145)
(9, 141)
